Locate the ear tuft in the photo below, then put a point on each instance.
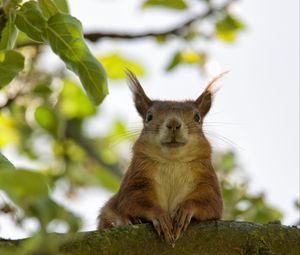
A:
(142, 102)
(204, 101)
(133, 82)
(211, 84)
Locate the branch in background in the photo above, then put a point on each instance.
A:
(176, 30)
(114, 168)
(12, 98)
(84, 144)
(8, 102)
(173, 31)
(210, 237)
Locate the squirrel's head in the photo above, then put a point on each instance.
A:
(172, 129)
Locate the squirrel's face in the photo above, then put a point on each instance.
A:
(172, 129)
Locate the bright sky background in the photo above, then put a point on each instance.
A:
(258, 102)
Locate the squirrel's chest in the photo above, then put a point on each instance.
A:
(173, 182)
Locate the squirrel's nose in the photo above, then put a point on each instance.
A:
(173, 124)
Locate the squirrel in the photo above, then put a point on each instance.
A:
(170, 179)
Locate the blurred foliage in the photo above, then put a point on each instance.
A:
(189, 58)
(239, 203)
(8, 34)
(169, 4)
(73, 103)
(7, 127)
(5, 164)
(29, 190)
(227, 28)
(114, 65)
(11, 63)
(43, 114)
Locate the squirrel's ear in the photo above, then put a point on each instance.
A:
(142, 102)
(204, 101)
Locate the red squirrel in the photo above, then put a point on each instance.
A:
(170, 179)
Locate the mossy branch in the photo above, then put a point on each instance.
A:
(211, 237)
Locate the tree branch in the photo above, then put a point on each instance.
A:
(94, 36)
(176, 30)
(210, 237)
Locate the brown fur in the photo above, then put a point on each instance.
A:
(170, 179)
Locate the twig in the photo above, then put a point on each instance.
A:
(176, 30)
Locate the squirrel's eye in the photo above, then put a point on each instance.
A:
(149, 116)
(197, 117)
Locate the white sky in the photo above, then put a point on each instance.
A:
(258, 101)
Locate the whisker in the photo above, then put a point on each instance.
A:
(131, 134)
(124, 136)
(223, 123)
(115, 139)
(222, 138)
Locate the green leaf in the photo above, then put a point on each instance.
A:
(48, 7)
(169, 4)
(186, 57)
(8, 130)
(297, 204)
(31, 21)
(227, 27)
(175, 60)
(23, 39)
(47, 118)
(9, 5)
(42, 88)
(51, 8)
(9, 33)
(115, 65)
(193, 57)
(160, 39)
(47, 210)
(64, 33)
(62, 5)
(108, 180)
(29, 190)
(5, 164)
(11, 63)
(73, 103)
(22, 185)
(228, 161)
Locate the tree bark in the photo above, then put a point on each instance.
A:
(210, 237)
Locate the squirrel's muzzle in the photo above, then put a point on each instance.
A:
(173, 125)
(172, 133)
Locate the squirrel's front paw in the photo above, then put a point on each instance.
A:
(181, 220)
(164, 227)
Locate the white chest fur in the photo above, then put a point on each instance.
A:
(174, 181)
